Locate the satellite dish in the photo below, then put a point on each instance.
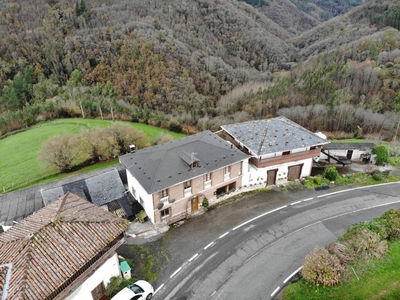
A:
(159, 206)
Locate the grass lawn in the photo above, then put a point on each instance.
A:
(19, 163)
(378, 279)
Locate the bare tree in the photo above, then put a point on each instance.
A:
(62, 152)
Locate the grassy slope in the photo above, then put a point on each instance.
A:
(19, 163)
(379, 279)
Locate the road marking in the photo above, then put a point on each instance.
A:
(308, 199)
(260, 216)
(294, 203)
(291, 275)
(193, 257)
(209, 245)
(276, 290)
(223, 235)
(161, 286)
(176, 272)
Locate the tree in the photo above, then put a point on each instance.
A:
(62, 152)
(74, 85)
(98, 144)
(125, 135)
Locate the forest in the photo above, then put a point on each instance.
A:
(191, 65)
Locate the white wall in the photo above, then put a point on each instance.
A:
(355, 156)
(108, 269)
(139, 193)
(256, 176)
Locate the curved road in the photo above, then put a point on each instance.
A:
(256, 258)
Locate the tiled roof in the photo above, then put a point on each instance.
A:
(50, 246)
(272, 135)
(160, 167)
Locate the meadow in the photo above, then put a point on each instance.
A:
(19, 164)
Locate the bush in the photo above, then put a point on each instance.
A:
(331, 173)
(321, 267)
(377, 175)
(205, 203)
(391, 219)
(382, 154)
(317, 180)
(367, 244)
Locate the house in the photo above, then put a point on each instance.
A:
(279, 149)
(171, 180)
(356, 152)
(105, 190)
(65, 250)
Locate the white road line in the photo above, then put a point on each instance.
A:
(176, 272)
(224, 235)
(291, 275)
(294, 203)
(260, 216)
(354, 189)
(276, 290)
(308, 199)
(209, 245)
(193, 257)
(161, 286)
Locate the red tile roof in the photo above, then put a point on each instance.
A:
(49, 247)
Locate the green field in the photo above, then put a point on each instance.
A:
(19, 163)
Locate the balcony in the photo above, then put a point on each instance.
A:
(227, 176)
(188, 192)
(164, 200)
(207, 184)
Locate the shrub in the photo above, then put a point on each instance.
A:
(322, 267)
(317, 180)
(331, 173)
(382, 154)
(391, 219)
(205, 203)
(367, 244)
(377, 175)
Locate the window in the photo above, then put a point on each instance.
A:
(286, 153)
(164, 193)
(227, 173)
(226, 170)
(98, 291)
(207, 180)
(165, 213)
(313, 147)
(207, 177)
(186, 185)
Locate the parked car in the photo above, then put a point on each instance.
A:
(140, 290)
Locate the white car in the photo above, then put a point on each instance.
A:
(140, 290)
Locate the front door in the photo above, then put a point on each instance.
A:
(271, 177)
(194, 203)
(349, 154)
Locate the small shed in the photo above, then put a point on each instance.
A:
(125, 269)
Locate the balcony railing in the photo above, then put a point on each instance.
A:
(164, 200)
(227, 176)
(188, 191)
(207, 184)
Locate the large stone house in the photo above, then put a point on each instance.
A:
(65, 250)
(171, 180)
(279, 149)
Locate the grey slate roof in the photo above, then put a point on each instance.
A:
(272, 135)
(350, 146)
(102, 189)
(160, 167)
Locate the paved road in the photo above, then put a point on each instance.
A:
(260, 252)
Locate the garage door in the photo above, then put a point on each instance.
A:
(295, 172)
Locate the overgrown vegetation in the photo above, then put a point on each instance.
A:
(370, 250)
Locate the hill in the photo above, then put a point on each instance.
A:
(175, 64)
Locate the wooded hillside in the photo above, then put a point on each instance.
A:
(193, 63)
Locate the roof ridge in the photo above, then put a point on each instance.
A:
(60, 206)
(263, 137)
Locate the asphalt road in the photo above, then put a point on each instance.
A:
(253, 251)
